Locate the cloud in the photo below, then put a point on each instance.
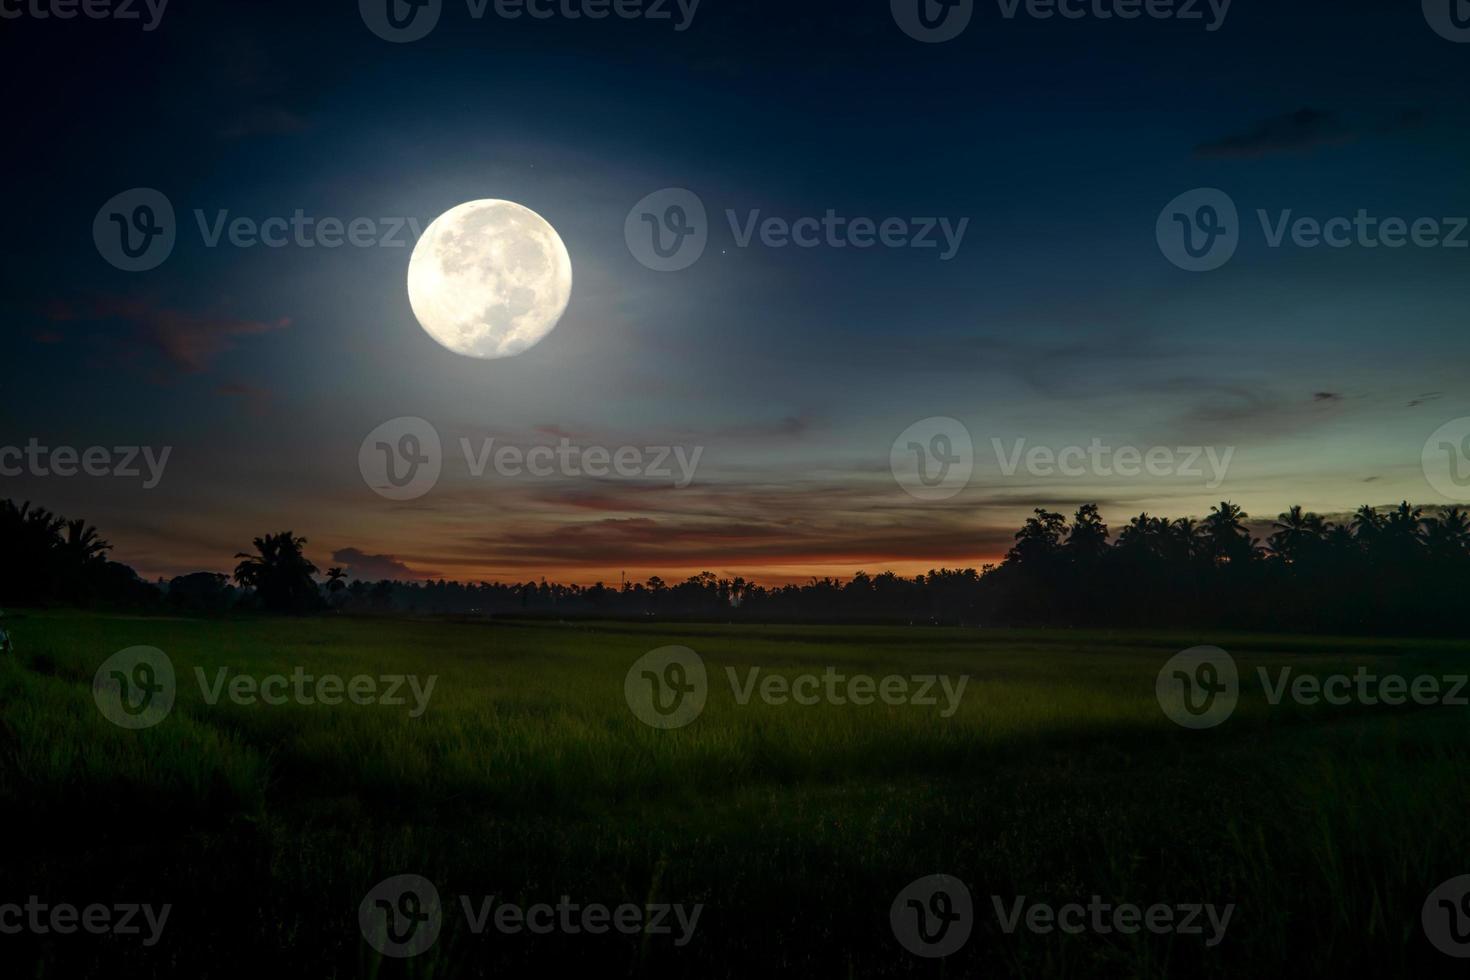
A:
(263, 121)
(188, 341)
(1295, 132)
(787, 427)
(256, 399)
(359, 565)
(1301, 131)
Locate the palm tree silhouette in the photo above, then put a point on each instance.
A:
(1226, 532)
(279, 573)
(1295, 533)
(1448, 535)
(1186, 534)
(82, 545)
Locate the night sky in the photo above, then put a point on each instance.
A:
(1058, 321)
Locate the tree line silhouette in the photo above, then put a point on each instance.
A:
(1392, 570)
(48, 559)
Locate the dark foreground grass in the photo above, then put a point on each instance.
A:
(528, 778)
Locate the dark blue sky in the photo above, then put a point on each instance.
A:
(1058, 321)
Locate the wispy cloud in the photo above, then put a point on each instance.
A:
(1301, 131)
(189, 342)
(256, 399)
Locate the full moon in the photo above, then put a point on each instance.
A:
(489, 279)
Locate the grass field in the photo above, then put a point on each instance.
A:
(528, 777)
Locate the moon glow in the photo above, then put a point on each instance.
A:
(489, 279)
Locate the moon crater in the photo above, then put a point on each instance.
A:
(489, 279)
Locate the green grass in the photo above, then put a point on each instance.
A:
(529, 778)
